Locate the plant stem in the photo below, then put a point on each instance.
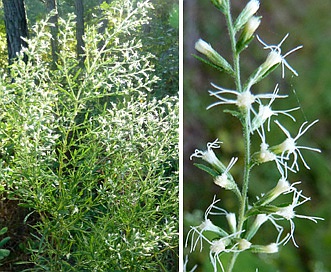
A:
(236, 59)
(246, 134)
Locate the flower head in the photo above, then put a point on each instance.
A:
(289, 146)
(243, 100)
(275, 56)
(220, 4)
(251, 26)
(219, 246)
(207, 225)
(283, 187)
(289, 214)
(266, 112)
(209, 156)
(266, 155)
(244, 244)
(225, 180)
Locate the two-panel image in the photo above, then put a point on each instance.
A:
(165, 136)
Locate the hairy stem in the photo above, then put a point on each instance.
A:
(246, 133)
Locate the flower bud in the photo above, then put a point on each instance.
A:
(264, 155)
(243, 244)
(207, 50)
(232, 221)
(251, 26)
(250, 9)
(286, 146)
(247, 34)
(273, 60)
(258, 222)
(225, 182)
(282, 186)
(220, 4)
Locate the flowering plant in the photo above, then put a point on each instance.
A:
(255, 113)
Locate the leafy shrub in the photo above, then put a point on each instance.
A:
(90, 153)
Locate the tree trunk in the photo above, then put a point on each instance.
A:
(51, 5)
(16, 27)
(79, 10)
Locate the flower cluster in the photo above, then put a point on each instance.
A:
(263, 210)
(255, 112)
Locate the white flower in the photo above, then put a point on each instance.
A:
(289, 146)
(209, 155)
(266, 155)
(203, 47)
(232, 221)
(268, 249)
(225, 180)
(243, 100)
(219, 246)
(283, 187)
(275, 56)
(259, 221)
(206, 225)
(250, 27)
(252, 7)
(289, 214)
(265, 111)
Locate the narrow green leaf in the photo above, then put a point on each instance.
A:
(4, 253)
(4, 241)
(213, 65)
(3, 230)
(207, 169)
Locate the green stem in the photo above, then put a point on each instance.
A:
(236, 59)
(246, 133)
(244, 191)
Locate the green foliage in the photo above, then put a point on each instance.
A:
(161, 37)
(3, 45)
(3, 252)
(174, 16)
(90, 153)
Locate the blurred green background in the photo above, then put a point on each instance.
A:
(309, 24)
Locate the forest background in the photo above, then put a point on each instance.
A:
(308, 24)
